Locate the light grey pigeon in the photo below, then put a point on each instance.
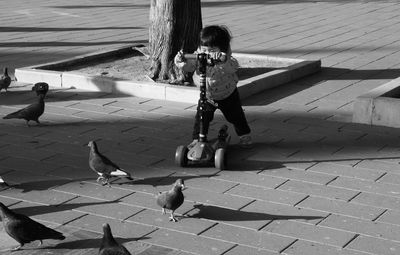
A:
(5, 80)
(172, 198)
(103, 166)
(108, 244)
(31, 112)
(25, 230)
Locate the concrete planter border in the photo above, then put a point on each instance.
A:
(379, 106)
(285, 70)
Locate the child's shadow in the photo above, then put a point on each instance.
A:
(238, 158)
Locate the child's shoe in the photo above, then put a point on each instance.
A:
(192, 144)
(245, 141)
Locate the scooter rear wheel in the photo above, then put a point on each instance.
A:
(181, 156)
(220, 159)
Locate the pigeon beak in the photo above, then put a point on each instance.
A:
(183, 186)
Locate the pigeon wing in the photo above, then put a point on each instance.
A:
(101, 164)
(31, 112)
(170, 199)
(24, 230)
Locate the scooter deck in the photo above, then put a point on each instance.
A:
(205, 151)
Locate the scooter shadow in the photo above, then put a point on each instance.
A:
(238, 158)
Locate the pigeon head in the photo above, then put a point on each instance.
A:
(41, 88)
(92, 144)
(179, 184)
(107, 235)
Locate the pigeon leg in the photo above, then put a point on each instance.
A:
(172, 218)
(38, 122)
(105, 182)
(99, 178)
(17, 248)
(27, 123)
(163, 211)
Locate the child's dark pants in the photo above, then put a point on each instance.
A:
(232, 110)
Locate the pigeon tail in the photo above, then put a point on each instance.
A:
(59, 236)
(120, 172)
(13, 115)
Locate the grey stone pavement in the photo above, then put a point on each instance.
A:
(314, 183)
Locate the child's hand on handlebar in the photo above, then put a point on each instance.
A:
(218, 56)
(179, 59)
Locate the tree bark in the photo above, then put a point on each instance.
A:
(174, 25)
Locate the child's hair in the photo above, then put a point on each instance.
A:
(216, 36)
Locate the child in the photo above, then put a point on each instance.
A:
(221, 81)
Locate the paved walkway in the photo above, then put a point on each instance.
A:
(314, 183)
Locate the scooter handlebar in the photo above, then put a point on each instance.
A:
(222, 57)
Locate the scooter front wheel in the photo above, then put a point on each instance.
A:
(220, 159)
(181, 156)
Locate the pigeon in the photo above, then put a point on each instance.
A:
(171, 199)
(3, 184)
(108, 244)
(31, 112)
(104, 167)
(25, 230)
(41, 88)
(5, 80)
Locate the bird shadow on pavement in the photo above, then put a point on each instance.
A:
(92, 243)
(43, 185)
(46, 209)
(163, 180)
(211, 212)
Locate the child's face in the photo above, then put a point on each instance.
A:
(208, 49)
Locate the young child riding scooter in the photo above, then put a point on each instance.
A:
(221, 81)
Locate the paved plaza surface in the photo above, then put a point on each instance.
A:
(314, 183)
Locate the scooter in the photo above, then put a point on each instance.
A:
(204, 151)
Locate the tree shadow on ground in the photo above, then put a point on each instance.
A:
(43, 185)
(45, 209)
(210, 212)
(24, 95)
(64, 44)
(265, 2)
(59, 29)
(241, 160)
(136, 6)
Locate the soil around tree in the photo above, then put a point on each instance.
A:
(136, 67)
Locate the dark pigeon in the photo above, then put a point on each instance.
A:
(171, 199)
(31, 112)
(25, 230)
(5, 80)
(103, 166)
(41, 88)
(108, 244)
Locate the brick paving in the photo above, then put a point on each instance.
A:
(314, 183)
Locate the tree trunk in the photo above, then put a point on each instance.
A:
(174, 25)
